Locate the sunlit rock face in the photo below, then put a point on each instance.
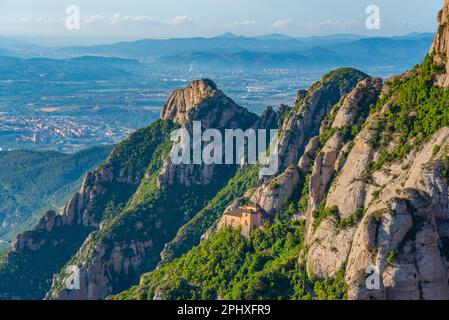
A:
(440, 45)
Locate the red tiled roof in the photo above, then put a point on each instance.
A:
(240, 211)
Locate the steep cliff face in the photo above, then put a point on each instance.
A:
(440, 45)
(202, 101)
(297, 133)
(386, 207)
(402, 220)
(246, 178)
(184, 103)
(348, 114)
(303, 121)
(404, 230)
(323, 159)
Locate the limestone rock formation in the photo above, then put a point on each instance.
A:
(202, 101)
(184, 102)
(304, 121)
(272, 195)
(440, 45)
(404, 228)
(351, 111)
(78, 211)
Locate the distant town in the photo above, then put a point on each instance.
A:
(61, 133)
(68, 117)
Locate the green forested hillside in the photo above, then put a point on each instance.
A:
(417, 109)
(33, 182)
(227, 266)
(61, 243)
(190, 234)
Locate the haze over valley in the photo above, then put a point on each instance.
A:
(67, 99)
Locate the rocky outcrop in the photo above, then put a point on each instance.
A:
(309, 154)
(351, 111)
(202, 101)
(56, 237)
(202, 225)
(323, 170)
(404, 222)
(270, 118)
(272, 195)
(401, 233)
(324, 160)
(77, 212)
(440, 45)
(183, 103)
(312, 107)
(354, 108)
(59, 235)
(96, 276)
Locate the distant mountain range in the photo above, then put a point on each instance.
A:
(73, 69)
(227, 42)
(17, 48)
(233, 52)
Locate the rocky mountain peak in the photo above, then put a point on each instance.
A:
(202, 101)
(183, 102)
(441, 43)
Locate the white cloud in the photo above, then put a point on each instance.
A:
(281, 23)
(139, 19)
(245, 23)
(177, 20)
(114, 19)
(86, 20)
(332, 23)
(38, 20)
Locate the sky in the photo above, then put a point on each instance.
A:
(106, 21)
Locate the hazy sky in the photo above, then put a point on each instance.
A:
(114, 20)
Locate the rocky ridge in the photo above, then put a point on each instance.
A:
(440, 46)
